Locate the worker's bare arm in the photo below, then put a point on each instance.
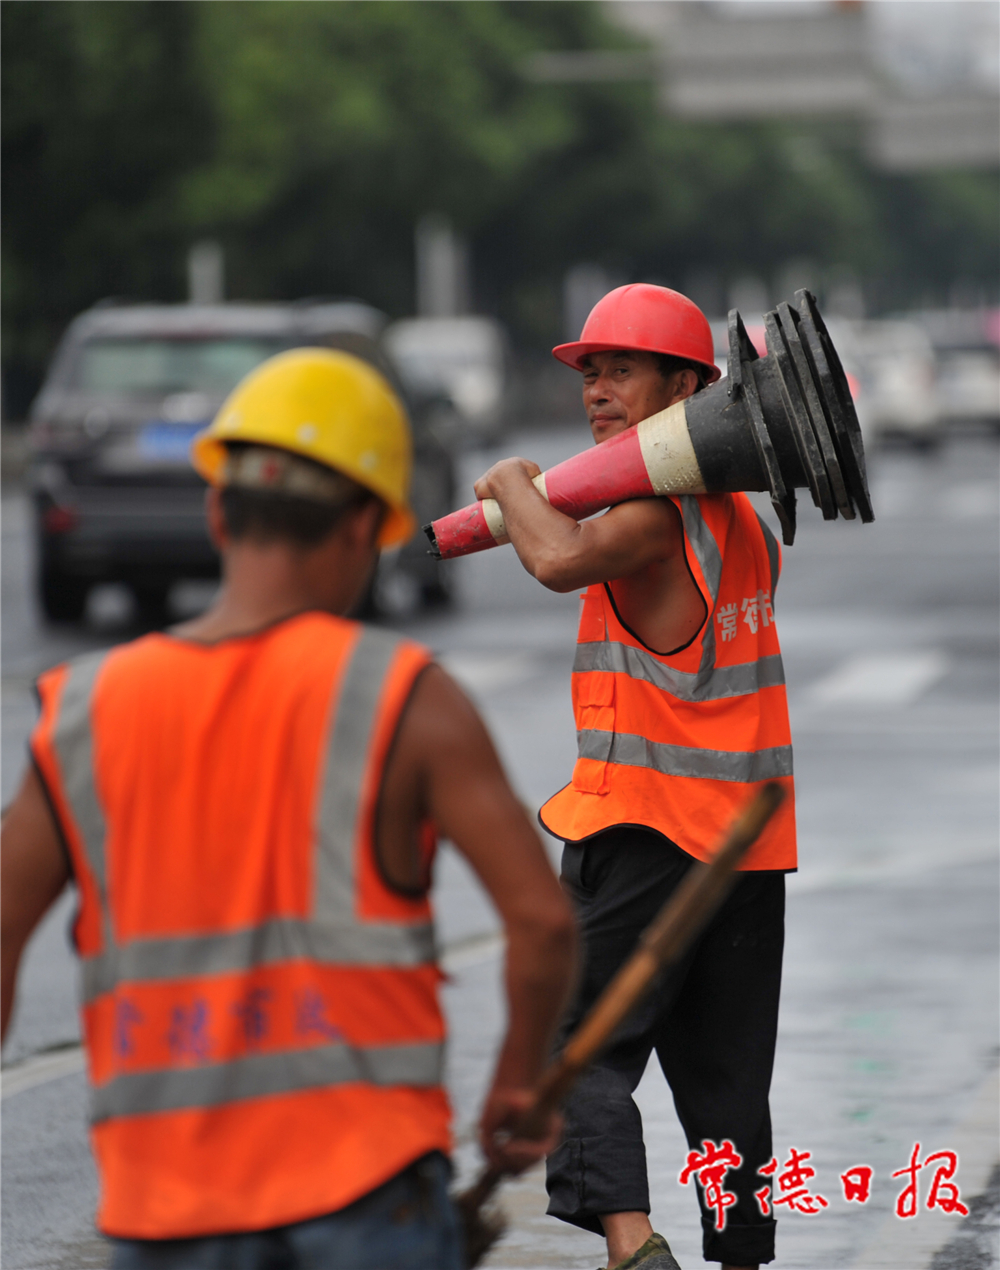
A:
(564, 554)
(444, 766)
(33, 871)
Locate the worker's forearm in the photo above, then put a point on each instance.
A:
(547, 541)
(9, 959)
(33, 870)
(539, 974)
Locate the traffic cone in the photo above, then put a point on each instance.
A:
(779, 423)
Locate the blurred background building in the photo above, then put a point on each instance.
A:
(507, 160)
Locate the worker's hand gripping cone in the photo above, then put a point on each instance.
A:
(779, 423)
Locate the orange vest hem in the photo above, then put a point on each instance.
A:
(627, 824)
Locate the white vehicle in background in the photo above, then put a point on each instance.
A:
(890, 369)
(893, 361)
(462, 360)
(967, 354)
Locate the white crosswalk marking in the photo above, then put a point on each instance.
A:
(881, 678)
(42, 1068)
(484, 672)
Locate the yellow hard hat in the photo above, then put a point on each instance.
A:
(330, 407)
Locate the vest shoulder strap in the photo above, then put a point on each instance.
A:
(773, 552)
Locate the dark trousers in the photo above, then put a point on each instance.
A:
(712, 1023)
(408, 1223)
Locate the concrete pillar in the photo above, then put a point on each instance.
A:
(206, 273)
(442, 268)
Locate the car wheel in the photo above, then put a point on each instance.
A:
(63, 597)
(439, 594)
(152, 602)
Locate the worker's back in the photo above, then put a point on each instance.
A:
(260, 1005)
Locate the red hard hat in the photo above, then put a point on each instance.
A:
(641, 316)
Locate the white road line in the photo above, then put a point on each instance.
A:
(471, 951)
(970, 501)
(892, 862)
(881, 679)
(483, 672)
(40, 1069)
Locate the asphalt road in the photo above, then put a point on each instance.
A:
(889, 1017)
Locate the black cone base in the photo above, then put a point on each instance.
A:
(785, 421)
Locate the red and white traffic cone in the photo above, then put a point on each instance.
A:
(779, 423)
(655, 458)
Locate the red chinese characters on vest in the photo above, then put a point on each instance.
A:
(678, 742)
(260, 1008)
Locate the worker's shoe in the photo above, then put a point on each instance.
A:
(654, 1254)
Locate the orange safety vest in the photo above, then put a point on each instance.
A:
(260, 1008)
(678, 743)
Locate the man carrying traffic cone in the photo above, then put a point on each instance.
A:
(678, 693)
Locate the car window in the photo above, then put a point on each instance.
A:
(159, 366)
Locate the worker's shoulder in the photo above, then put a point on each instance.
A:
(302, 647)
(308, 639)
(637, 518)
(315, 640)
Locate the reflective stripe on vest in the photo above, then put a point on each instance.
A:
(773, 553)
(258, 1075)
(685, 760)
(706, 549)
(74, 743)
(332, 936)
(720, 681)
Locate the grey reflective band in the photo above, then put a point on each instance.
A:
(343, 775)
(270, 943)
(721, 682)
(703, 543)
(73, 742)
(773, 553)
(263, 1075)
(707, 553)
(745, 766)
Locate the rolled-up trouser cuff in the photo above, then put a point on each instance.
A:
(739, 1245)
(587, 1176)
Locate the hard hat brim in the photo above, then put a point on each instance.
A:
(574, 354)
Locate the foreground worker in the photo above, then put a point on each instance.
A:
(679, 698)
(248, 806)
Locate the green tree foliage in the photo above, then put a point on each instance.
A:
(339, 124)
(309, 137)
(102, 113)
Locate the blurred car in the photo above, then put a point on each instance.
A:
(115, 496)
(890, 370)
(966, 347)
(893, 362)
(462, 361)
